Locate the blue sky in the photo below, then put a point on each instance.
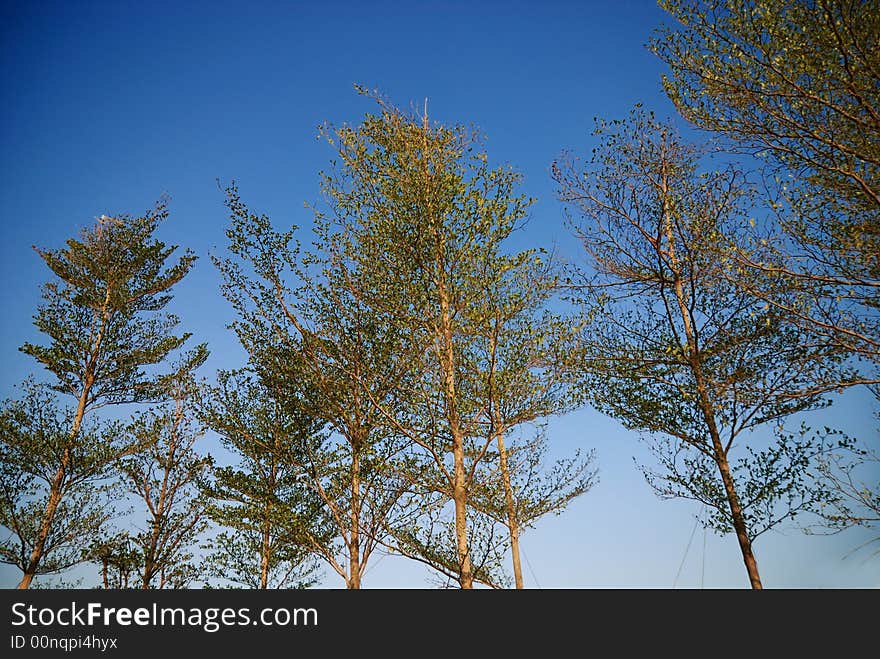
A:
(108, 106)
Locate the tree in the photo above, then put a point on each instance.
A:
(325, 357)
(518, 360)
(104, 321)
(165, 476)
(520, 487)
(34, 436)
(798, 84)
(423, 212)
(276, 519)
(676, 349)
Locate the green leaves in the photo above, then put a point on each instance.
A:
(380, 332)
(776, 480)
(163, 476)
(35, 435)
(797, 83)
(103, 315)
(677, 346)
(103, 318)
(321, 361)
(277, 519)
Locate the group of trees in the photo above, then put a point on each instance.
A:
(401, 368)
(398, 376)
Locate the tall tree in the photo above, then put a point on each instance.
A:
(676, 349)
(104, 321)
(518, 360)
(324, 355)
(276, 520)
(34, 436)
(424, 210)
(797, 83)
(165, 477)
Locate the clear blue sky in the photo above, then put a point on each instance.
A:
(108, 106)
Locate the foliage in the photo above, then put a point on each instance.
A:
(854, 500)
(275, 518)
(422, 223)
(164, 477)
(677, 349)
(34, 434)
(325, 357)
(775, 482)
(797, 84)
(103, 315)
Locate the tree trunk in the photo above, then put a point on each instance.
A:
(354, 544)
(266, 540)
(739, 523)
(56, 491)
(706, 406)
(265, 546)
(151, 565)
(264, 557)
(512, 523)
(446, 357)
(509, 504)
(57, 484)
(459, 497)
(459, 483)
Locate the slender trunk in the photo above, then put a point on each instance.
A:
(718, 452)
(459, 478)
(56, 486)
(447, 368)
(706, 406)
(151, 565)
(104, 575)
(265, 546)
(739, 523)
(56, 491)
(149, 571)
(512, 523)
(459, 497)
(264, 558)
(354, 544)
(266, 540)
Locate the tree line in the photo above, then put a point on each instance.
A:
(403, 361)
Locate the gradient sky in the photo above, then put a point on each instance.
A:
(108, 106)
